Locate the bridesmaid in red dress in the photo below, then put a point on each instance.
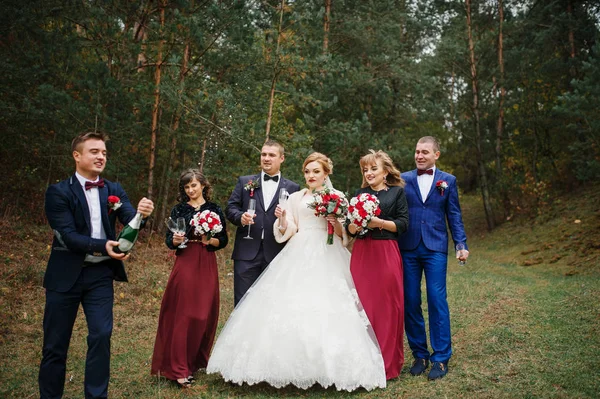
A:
(376, 264)
(189, 311)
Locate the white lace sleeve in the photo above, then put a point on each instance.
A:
(292, 220)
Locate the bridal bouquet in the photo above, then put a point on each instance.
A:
(329, 202)
(207, 222)
(362, 209)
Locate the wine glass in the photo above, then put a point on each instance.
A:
(182, 229)
(251, 210)
(177, 227)
(460, 247)
(283, 196)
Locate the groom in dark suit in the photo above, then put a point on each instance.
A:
(82, 266)
(432, 198)
(251, 257)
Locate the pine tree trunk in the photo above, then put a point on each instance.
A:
(275, 73)
(156, 106)
(500, 125)
(203, 156)
(326, 21)
(483, 184)
(452, 106)
(175, 127)
(571, 34)
(572, 70)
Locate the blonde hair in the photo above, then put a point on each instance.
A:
(393, 177)
(323, 159)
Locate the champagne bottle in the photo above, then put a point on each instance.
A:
(129, 235)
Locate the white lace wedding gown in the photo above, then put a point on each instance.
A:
(301, 323)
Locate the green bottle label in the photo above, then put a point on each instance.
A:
(129, 234)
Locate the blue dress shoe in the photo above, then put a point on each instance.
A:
(438, 370)
(419, 366)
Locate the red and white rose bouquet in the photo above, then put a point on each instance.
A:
(329, 202)
(207, 222)
(362, 209)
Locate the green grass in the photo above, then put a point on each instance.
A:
(518, 331)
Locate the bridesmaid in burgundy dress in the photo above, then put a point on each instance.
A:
(376, 264)
(189, 312)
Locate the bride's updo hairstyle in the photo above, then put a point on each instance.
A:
(393, 177)
(323, 159)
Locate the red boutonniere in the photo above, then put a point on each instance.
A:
(442, 186)
(251, 185)
(114, 203)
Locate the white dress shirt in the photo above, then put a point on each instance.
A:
(425, 181)
(269, 189)
(93, 200)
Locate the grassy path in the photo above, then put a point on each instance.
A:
(518, 331)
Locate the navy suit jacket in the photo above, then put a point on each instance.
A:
(69, 217)
(264, 220)
(427, 220)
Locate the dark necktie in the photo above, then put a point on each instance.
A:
(90, 184)
(424, 172)
(274, 178)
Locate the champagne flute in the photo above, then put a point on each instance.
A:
(182, 229)
(251, 210)
(283, 196)
(460, 247)
(174, 228)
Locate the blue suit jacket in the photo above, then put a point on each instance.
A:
(264, 220)
(69, 216)
(427, 220)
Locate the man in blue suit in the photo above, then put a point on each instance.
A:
(432, 198)
(82, 266)
(251, 257)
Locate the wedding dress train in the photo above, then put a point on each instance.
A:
(301, 322)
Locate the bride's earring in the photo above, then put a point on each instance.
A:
(385, 179)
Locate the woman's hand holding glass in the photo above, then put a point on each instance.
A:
(279, 211)
(178, 239)
(280, 214)
(178, 228)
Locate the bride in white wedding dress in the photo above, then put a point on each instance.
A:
(301, 322)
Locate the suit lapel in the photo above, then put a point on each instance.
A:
(78, 191)
(436, 177)
(415, 184)
(104, 211)
(258, 192)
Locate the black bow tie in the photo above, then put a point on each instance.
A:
(90, 184)
(424, 172)
(274, 178)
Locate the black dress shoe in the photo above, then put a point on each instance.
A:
(184, 383)
(419, 366)
(438, 370)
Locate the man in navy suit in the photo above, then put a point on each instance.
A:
(82, 266)
(432, 198)
(251, 257)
